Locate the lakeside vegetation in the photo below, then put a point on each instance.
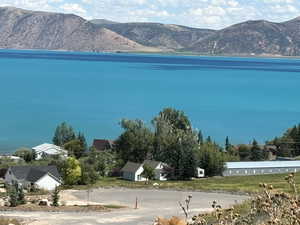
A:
(235, 184)
(171, 139)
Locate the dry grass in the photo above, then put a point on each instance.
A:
(269, 207)
(37, 208)
(7, 221)
(242, 184)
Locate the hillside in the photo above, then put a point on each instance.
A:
(253, 37)
(23, 29)
(165, 36)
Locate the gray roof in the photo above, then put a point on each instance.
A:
(262, 164)
(34, 173)
(131, 167)
(153, 164)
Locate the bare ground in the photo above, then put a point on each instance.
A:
(151, 203)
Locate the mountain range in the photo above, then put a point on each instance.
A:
(24, 29)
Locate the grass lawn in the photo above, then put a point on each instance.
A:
(245, 184)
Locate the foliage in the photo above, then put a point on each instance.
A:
(257, 154)
(211, 159)
(55, 197)
(88, 173)
(175, 143)
(21, 196)
(288, 144)
(25, 154)
(13, 196)
(71, 171)
(16, 195)
(176, 118)
(136, 142)
(64, 133)
(244, 152)
(75, 148)
(148, 172)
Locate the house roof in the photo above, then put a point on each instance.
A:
(262, 164)
(153, 164)
(34, 173)
(102, 144)
(49, 149)
(131, 167)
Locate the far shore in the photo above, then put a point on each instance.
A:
(165, 53)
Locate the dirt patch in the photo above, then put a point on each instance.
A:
(37, 208)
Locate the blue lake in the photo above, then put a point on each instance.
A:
(243, 98)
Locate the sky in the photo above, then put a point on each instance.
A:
(215, 14)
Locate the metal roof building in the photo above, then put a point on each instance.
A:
(261, 167)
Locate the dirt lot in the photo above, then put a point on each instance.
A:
(151, 203)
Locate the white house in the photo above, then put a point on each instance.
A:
(42, 177)
(132, 171)
(46, 149)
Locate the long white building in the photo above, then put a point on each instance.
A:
(261, 167)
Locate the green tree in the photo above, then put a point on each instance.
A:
(25, 154)
(175, 118)
(211, 159)
(63, 134)
(227, 144)
(175, 143)
(88, 173)
(55, 197)
(148, 173)
(257, 154)
(244, 152)
(136, 142)
(13, 196)
(82, 141)
(71, 171)
(75, 148)
(200, 137)
(21, 196)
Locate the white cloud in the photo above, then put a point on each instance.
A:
(73, 8)
(199, 13)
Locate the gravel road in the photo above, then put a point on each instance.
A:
(151, 203)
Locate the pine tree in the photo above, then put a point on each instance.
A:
(208, 139)
(55, 197)
(200, 137)
(227, 144)
(63, 134)
(82, 140)
(13, 196)
(20, 196)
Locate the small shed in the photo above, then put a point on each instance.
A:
(200, 172)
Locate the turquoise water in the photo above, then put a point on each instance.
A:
(243, 98)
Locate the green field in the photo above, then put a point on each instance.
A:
(242, 184)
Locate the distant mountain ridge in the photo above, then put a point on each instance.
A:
(24, 29)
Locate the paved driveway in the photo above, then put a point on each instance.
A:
(151, 203)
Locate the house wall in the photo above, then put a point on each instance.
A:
(138, 176)
(47, 183)
(159, 172)
(9, 177)
(128, 176)
(259, 171)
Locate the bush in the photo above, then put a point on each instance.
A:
(55, 197)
